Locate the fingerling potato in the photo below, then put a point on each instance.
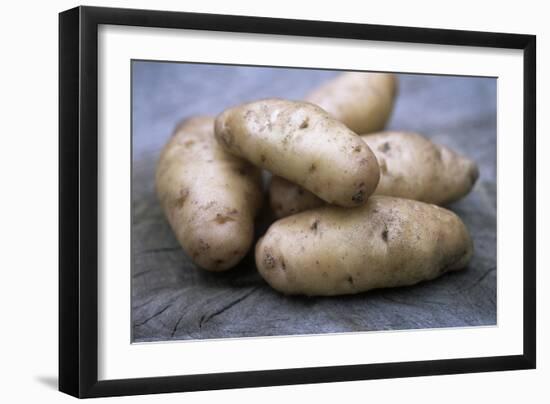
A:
(411, 166)
(362, 101)
(385, 243)
(302, 143)
(209, 196)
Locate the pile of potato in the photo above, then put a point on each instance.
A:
(357, 206)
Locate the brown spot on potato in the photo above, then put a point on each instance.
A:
(263, 158)
(300, 191)
(325, 274)
(184, 193)
(221, 219)
(268, 125)
(385, 235)
(359, 197)
(350, 280)
(283, 265)
(189, 143)
(357, 149)
(305, 123)
(203, 246)
(312, 168)
(269, 259)
(218, 261)
(315, 225)
(384, 147)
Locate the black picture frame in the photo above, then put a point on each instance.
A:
(78, 201)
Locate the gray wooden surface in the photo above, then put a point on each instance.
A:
(171, 299)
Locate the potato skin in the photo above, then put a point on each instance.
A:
(209, 197)
(411, 166)
(362, 101)
(387, 242)
(287, 198)
(302, 143)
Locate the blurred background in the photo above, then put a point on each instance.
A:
(171, 299)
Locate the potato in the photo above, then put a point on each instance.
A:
(362, 101)
(411, 166)
(287, 198)
(209, 196)
(302, 143)
(385, 243)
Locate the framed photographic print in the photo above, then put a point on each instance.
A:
(251, 201)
